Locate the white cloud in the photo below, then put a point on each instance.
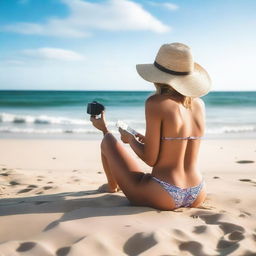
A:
(53, 54)
(111, 15)
(170, 6)
(167, 5)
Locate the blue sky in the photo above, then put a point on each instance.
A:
(95, 45)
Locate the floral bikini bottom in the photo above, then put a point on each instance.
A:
(183, 197)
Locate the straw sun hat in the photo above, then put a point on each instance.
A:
(174, 66)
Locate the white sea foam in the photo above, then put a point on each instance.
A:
(231, 129)
(28, 130)
(49, 131)
(45, 124)
(40, 119)
(44, 119)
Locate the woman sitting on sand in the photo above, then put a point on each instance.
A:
(175, 122)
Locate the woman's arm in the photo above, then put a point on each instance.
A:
(149, 150)
(137, 147)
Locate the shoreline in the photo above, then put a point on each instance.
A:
(98, 136)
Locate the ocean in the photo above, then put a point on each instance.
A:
(62, 114)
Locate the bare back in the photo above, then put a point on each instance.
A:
(177, 159)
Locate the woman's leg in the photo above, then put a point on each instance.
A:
(111, 186)
(108, 148)
(200, 199)
(138, 187)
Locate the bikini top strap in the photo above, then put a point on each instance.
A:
(194, 137)
(182, 138)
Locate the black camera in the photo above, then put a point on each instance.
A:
(94, 108)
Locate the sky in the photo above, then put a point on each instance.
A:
(95, 45)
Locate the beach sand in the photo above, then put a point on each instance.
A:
(49, 204)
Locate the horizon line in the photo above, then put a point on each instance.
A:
(77, 90)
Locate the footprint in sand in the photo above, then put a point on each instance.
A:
(25, 246)
(230, 227)
(25, 190)
(32, 186)
(248, 180)
(193, 247)
(47, 187)
(139, 243)
(210, 218)
(49, 182)
(245, 162)
(234, 232)
(246, 213)
(4, 174)
(14, 183)
(213, 219)
(245, 180)
(63, 251)
(199, 229)
(179, 233)
(224, 244)
(236, 236)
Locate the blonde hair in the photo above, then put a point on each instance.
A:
(167, 89)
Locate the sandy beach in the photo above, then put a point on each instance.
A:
(49, 204)
(148, 63)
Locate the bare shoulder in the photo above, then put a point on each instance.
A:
(198, 103)
(160, 100)
(152, 99)
(154, 105)
(153, 102)
(198, 107)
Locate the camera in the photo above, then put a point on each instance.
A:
(94, 108)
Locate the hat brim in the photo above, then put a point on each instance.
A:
(195, 84)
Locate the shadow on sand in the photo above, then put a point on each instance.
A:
(70, 201)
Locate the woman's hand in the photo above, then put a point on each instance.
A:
(125, 136)
(99, 123)
(140, 137)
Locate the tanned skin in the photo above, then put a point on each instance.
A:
(173, 161)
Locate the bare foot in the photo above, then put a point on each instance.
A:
(105, 188)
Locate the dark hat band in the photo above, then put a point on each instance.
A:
(169, 71)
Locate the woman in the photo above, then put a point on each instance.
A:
(174, 125)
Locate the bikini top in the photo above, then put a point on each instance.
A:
(182, 138)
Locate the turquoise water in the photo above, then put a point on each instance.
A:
(63, 113)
